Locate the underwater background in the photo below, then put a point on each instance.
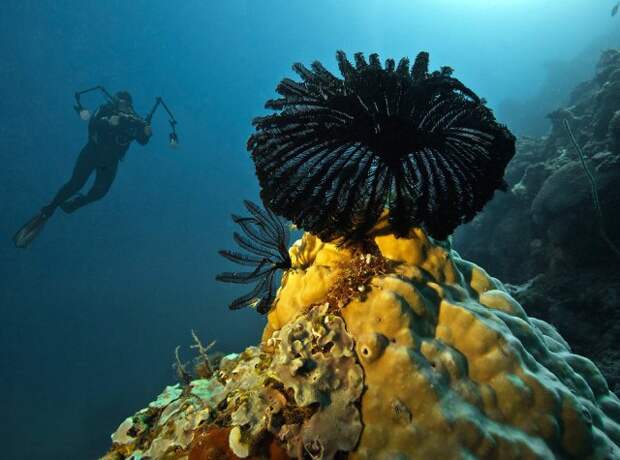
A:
(91, 313)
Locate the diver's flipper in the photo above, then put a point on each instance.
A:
(72, 204)
(30, 230)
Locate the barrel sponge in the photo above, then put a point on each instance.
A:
(453, 366)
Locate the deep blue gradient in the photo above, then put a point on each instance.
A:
(91, 313)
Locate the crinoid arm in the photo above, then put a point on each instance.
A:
(339, 151)
(265, 238)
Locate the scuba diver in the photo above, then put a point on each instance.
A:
(111, 130)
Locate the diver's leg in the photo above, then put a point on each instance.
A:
(84, 166)
(103, 181)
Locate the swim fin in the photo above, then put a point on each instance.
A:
(30, 230)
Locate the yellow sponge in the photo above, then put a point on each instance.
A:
(391, 349)
(453, 367)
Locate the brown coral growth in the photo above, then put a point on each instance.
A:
(356, 276)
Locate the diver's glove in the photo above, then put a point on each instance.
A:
(133, 122)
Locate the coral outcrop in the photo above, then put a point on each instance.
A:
(394, 348)
(382, 343)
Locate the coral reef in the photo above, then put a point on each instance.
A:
(167, 425)
(550, 218)
(381, 342)
(340, 151)
(300, 388)
(394, 348)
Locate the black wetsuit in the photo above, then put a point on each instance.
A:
(107, 145)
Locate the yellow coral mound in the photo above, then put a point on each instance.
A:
(453, 367)
(392, 349)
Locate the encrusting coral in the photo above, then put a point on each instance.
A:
(428, 357)
(301, 388)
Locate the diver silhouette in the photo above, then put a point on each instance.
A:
(111, 130)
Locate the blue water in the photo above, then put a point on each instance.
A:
(91, 313)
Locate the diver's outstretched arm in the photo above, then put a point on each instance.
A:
(143, 136)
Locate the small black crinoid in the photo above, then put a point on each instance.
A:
(340, 151)
(266, 238)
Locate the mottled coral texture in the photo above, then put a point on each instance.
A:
(428, 358)
(454, 367)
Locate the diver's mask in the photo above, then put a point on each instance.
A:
(124, 106)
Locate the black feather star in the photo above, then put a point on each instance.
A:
(341, 151)
(266, 238)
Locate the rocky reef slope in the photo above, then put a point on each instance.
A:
(544, 235)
